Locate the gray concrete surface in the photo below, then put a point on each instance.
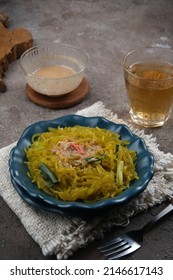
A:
(105, 30)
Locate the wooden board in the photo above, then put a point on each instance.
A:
(61, 102)
(12, 45)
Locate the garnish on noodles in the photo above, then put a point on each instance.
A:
(81, 163)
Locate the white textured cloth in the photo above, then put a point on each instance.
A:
(62, 236)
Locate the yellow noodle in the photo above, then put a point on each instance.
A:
(67, 153)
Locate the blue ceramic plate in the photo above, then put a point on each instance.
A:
(18, 169)
(34, 202)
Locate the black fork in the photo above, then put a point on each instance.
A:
(132, 240)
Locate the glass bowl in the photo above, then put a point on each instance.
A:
(37, 198)
(54, 55)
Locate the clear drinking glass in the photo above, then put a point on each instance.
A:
(148, 74)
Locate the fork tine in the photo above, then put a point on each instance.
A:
(120, 249)
(112, 242)
(122, 253)
(114, 247)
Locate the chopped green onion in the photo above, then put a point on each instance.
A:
(119, 177)
(48, 176)
(97, 158)
(92, 159)
(117, 149)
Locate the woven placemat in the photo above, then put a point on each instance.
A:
(62, 236)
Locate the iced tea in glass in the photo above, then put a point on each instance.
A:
(148, 74)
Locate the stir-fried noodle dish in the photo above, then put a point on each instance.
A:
(81, 163)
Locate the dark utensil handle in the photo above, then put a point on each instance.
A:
(158, 218)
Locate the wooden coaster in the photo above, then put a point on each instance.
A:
(61, 102)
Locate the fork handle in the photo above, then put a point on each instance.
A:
(158, 218)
